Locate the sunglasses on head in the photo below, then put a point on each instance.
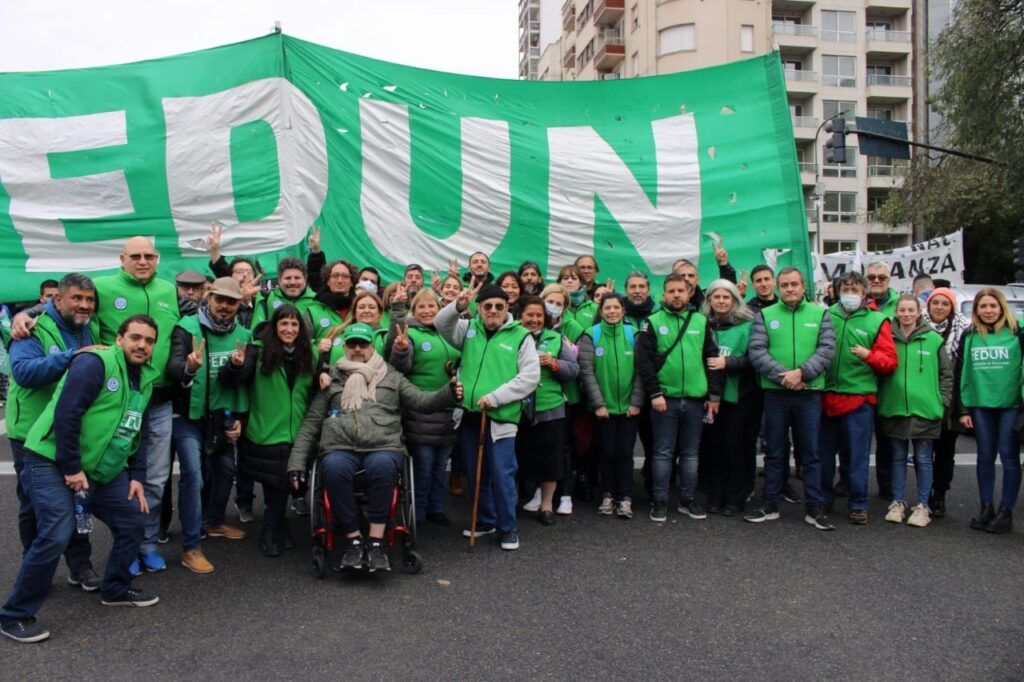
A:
(356, 343)
(492, 306)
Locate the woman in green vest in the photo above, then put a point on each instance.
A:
(614, 393)
(428, 361)
(540, 441)
(569, 277)
(278, 367)
(728, 445)
(368, 308)
(989, 379)
(510, 284)
(911, 402)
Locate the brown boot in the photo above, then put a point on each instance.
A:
(455, 484)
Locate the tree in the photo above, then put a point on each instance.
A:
(979, 59)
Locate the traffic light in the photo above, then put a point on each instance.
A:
(835, 148)
(1018, 258)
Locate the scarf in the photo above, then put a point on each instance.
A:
(576, 298)
(362, 381)
(336, 302)
(639, 312)
(952, 330)
(213, 325)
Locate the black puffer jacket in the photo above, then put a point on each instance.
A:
(421, 428)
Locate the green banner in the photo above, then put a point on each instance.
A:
(396, 164)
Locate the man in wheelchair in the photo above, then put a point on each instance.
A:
(358, 422)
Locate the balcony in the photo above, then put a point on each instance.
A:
(807, 173)
(609, 76)
(812, 216)
(609, 12)
(800, 84)
(835, 81)
(886, 89)
(610, 50)
(569, 57)
(795, 38)
(888, 45)
(887, 170)
(568, 15)
(804, 127)
(888, 7)
(528, 9)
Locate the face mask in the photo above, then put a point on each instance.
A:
(367, 285)
(850, 302)
(554, 310)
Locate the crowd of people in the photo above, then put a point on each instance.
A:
(114, 377)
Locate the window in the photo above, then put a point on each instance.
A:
(796, 109)
(876, 201)
(786, 21)
(792, 65)
(877, 25)
(839, 70)
(885, 114)
(838, 27)
(635, 60)
(836, 245)
(746, 38)
(831, 107)
(846, 169)
(840, 207)
(677, 39)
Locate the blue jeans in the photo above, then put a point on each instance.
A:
(497, 506)
(852, 431)
(993, 429)
(78, 555)
(53, 504)
(382, 471)
(676, 430)
(188, 444)
(924, 450)
(156, 446)
(801, 411)
(428, 465)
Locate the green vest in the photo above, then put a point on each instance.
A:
(219, 349)
(120, 296)
(488, 363)
(638, 322)
(571, 329)
(380, 337)
(24, 405)
(682, 375)
(111, 426)
(733, 342)
(549, 394)
(614, 366)
(322, 319)
(889, 311)
(913, 389)
(849, 374)
(992, 370)
(431, 352)
(275, 410)
(585, 316)
(792, 338)
(265, 306)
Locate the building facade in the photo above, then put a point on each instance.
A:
(852, 56)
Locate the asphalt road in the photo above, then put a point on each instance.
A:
(589, 598)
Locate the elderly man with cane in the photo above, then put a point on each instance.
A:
(499, 369)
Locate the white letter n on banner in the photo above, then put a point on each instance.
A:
(585, 167)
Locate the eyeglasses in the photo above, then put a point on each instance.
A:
(877, 278)
(340, 275)
(356, 343)
(142, 256)
(493, 306)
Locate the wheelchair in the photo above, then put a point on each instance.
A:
(399, 536)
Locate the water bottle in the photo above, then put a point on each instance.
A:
(83, 517)
(335, 412)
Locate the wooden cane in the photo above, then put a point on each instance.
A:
(476, 484)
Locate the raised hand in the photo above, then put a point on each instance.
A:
(453, 266)
(721, 255)
(324, 345)
(401, 338)
(195, 359)
(251, 289)
(435, 281)
(401, 294)
(467, 295)
(238, 357)
(213, 241)
(314, 239)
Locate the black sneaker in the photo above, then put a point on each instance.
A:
(164, 536)
(354, 557)
(659, 511)
(937, 504)
(300, 506)
(730, 510)
(510, 541)
(762, 514)
(377, 558)
(789, 494)
(132, 597)
(24, 631)
(86, 579)
(692, 508)
(481, 530)
(819, 519)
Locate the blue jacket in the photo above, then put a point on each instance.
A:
(33, 367)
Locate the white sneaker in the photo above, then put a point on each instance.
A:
(607, 506)
(895, 514)
(920, 516)
(534, 504)
(564, 505)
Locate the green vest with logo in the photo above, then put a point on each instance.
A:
(913, 389)
(276, 410)
(849, 374)
(431, 353)
(380, 337)
(219, 349)
(792, 338)
(733, 342)
(614, 364)
(24, 405)
(120, 296)
(549, 394)
(322, 319)
(889, 310)
(585, 316)
(572, 330)
(267, 304)
(682, 375)
(992, 370)
(111, 427)
(488, 363)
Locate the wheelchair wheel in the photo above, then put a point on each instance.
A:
(412, 562)
(319, 562)
(316, 508)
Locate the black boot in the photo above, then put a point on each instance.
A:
(269, 544)
(937, 504)
(984, 517)
(283, 537)
(584, 490)
(1002, 523)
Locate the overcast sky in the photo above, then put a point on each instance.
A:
(477, 37)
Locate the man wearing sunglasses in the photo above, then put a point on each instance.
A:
(499, 369)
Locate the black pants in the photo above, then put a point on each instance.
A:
(729, 448)
(945, 461)
(616, 436)
(276, 503)
(646, 432)
(883, 459)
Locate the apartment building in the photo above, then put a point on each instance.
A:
(852, 56)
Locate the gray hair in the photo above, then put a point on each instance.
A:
(740, 312)
(879, 264)
(75, 279)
